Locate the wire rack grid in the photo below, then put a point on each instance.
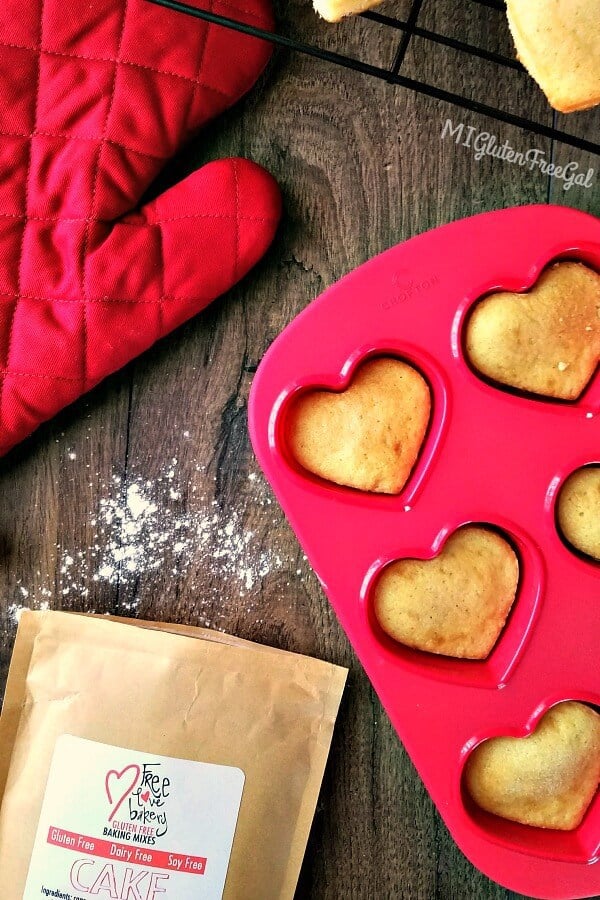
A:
(408, 28)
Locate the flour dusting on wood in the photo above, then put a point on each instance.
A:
(144, 528)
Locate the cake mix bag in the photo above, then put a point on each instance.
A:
(151, 762)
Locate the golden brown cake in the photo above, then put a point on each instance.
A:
(455, 604)
(546, 341)
(366, 437)
(558, 41)
(547, 779)
(578, 510)
(334, 10)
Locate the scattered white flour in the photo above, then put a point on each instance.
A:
(143, 528)
(15, 610)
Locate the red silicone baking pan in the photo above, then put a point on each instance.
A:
(490, 456)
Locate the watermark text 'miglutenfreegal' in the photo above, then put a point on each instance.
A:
(483, 143)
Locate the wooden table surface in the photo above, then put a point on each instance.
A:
(201, 540)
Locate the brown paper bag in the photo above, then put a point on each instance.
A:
(127, 749)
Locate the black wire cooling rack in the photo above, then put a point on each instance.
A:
(408, 29)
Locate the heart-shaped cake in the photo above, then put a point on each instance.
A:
(366, 437)
(547, 779)
(558, 42)
(455, 604)
(546, 341)
(578, 510)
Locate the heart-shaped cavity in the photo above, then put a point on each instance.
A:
(546, 341)
(548, 778)
(366, 437)
(578, 510)
(455, 604)
(558, 44)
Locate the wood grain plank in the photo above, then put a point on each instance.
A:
(583, 124)
(51, 487)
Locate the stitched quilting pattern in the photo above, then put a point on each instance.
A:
(91, 106)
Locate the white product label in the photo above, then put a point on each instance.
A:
(121, 825)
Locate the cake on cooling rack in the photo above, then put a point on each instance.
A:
(558, 42)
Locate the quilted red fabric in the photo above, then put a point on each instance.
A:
(94, 98)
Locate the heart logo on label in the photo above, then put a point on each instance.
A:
(119, 785)
(146, 796)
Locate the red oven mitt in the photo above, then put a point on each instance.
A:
(94, 98)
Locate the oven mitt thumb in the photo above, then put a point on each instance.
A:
(94, 99)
